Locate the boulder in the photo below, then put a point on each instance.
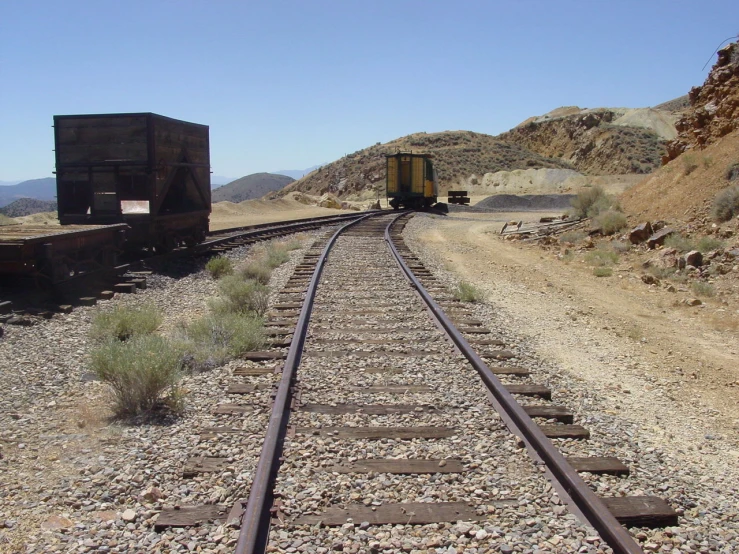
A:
(329, 201)
(692, 258)
(658, 238)
(640, 233)
(649, 279)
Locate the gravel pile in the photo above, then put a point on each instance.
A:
(697, 479)
(518, 509)
(72, 481)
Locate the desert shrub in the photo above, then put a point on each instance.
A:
(661, 272)
(465, 292)
(601, 257)
(602, 271)
(256, 270)
(219, 266)
(140, 371)
(218, 337)
(276, 255)
(124, 322)
(611, 221)
(706, 244)
(583, 204)
(573, 237)
(726, 204)
(690, 163)
(732, 172)
(679, 243)
(703, 289)
(241, 297)
(620, 247)
(5, 220)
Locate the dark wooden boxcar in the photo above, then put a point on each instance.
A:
(148, 171)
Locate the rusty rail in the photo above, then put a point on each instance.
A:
(593, 509)
(254, 532)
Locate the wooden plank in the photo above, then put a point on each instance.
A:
(387, 370)
(274, 332)
(254, 371)
(469, 322)
(406, 513)
(370, 353)
(189, 516)
(518, 371)
(370, 433)
(641, 511)
(263, 356)
(369, 409)
(560, 413)
(241, 388)
(530, 390)
(395, 389)
(232, 409)
(200, 464)
(565, 431)
(606, 465)
(498, 354)
(473, 330)
(366, 331)
(288, 305)
(399, 467)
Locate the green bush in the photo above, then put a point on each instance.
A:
(703, 289)
(140, 371)
(602, 271)
(219, 266)
(620, 247)
(601, 257)
(124, 322)
(726, 204)
(611, 221)
(256, 270)
(707, 244)
(590, 201)
(679, 243)
(277, 255)
(572, 237)
(465, 292)
(218, 337)
(241, 297)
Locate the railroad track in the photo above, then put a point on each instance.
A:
(395, 424)
(24, 303)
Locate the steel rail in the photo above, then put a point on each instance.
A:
(591, 506)
(320, 219)
(254, 533)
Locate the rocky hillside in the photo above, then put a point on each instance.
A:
(457, 155)
(600, 141)
(714, 107)
(27, 206)
(252, 186)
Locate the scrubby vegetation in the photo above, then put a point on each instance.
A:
(602, 271)
(611, 221)
(219, 266)
(572, 237)
(5, 220)
(143, 372)
(239, 296)
(593, 202)
(602, 256)
(124, 322)
(726, 204)
(215, 338)
(465, 292)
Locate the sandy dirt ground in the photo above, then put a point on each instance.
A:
(673, 369)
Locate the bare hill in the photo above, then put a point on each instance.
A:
(41, 189)
(252, 186)
(603, 141)
(457, 155)
(27, 206)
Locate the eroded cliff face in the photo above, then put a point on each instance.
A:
(714, 106)
(592, 142)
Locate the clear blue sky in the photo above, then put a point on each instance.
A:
(286, 85)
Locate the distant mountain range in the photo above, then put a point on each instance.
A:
(252, 186)
(297, 173)
(40, 189)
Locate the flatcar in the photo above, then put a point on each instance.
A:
(145, 170)
(411, 181)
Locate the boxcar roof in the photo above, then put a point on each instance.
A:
(134, 114)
